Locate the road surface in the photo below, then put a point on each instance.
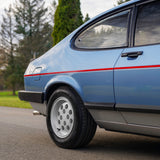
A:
(25, 137)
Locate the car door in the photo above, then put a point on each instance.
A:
(97, 49)
(137, 72)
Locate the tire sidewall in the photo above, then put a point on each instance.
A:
(73, 136)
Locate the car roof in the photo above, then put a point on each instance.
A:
(118, 7)
(110, 10)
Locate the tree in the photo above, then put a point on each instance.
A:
(8, 47)
(86, 18)
(3, 58)
(1, 80)
(67, 18)
(3, 62)
(31, 23)
(122, 1)
(52, 9)
(28, 25)
(33, 31)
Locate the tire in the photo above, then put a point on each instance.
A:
(69, 123)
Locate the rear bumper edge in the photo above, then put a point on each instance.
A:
(30, 96)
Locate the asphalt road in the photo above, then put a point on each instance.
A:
(25, 137)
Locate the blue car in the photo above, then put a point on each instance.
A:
(105, 73)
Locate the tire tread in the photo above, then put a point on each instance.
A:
(87, 125)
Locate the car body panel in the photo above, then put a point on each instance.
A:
(121, 93)
(141, 81)
(130, 127)
(90, 71)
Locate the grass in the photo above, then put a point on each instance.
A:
(8, 100)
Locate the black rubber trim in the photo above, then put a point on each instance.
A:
(37, 97)
(111, 106)
(100, 106)
(138, 110)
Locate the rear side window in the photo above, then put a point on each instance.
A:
(148, 24)
(108, 33)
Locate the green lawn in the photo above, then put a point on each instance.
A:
(6, 99)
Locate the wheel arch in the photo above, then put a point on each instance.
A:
(62, 81)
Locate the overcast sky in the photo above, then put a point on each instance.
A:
(92, 7)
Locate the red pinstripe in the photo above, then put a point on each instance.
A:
(94, 70)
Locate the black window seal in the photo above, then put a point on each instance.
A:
(130, 8)
(144, 2)
(132, 26)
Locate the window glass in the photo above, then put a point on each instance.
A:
(108, 33)
(148, 24)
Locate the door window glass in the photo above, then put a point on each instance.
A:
(148, 24)
(108, 33)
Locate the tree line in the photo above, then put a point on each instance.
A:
(29, 28)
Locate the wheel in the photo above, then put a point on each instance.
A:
(69, 123)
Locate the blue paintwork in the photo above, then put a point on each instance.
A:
(139, 86)
(91, 86)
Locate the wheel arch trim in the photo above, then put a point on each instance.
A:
(62, 80)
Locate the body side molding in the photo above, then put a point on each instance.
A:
(100, 106)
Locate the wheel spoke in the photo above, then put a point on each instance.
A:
(62, 117)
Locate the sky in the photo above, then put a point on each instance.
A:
(92, 7)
